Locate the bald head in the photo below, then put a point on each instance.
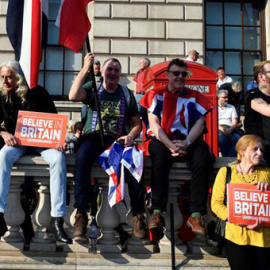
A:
(193, 54)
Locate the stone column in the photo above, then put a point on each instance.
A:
(14, 217)
(107, 219)
(165, 243)
(41, 218)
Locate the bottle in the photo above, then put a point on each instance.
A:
(93, 234)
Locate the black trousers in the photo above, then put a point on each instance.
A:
(199, 160)
(247, 257)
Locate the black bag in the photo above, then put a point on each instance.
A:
(216, 228)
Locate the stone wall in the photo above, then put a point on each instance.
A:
(157, 29)
(6, 50)
(131, 29)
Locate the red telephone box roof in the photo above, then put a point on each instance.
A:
(198, 72)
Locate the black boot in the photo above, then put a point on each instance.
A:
(56, 227)
(3, 225)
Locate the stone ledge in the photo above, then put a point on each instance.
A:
(63, 261)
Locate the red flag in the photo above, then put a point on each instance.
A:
(26, 25)
(73, 23)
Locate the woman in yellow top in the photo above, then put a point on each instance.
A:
(247, 247)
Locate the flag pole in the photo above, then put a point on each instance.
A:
(94, 87)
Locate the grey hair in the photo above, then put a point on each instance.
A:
(222, 91)
(147, 60)
(237, 87)
(21, 83)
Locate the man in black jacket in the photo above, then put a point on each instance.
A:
(257, 106)
(15, 96)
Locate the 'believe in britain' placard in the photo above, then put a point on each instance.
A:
(246, 203)
(41, 129)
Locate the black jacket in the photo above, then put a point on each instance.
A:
(37, 100)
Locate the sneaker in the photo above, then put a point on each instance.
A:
(80, 225)
(157, 221)
(139, 226)
(197, 225)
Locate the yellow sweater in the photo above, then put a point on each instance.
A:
(237, 234)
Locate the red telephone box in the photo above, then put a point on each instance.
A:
(201, 79)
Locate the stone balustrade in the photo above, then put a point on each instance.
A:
(108, 218)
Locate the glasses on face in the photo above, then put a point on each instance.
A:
(224, 97)
(177, 73)
(265, 72)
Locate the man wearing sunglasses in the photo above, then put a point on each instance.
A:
(257, 106)
(176, 126)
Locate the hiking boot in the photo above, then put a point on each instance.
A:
(197, 225)
(139, 226)
(80, 225)
(157, 221)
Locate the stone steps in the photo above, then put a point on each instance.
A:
(82, 261)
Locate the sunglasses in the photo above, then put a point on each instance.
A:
(177, 73)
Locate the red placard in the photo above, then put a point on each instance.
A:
(246, 204)
(41, 129)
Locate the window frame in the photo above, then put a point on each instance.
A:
(261, 51)
(45, 71)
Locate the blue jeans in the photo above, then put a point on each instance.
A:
(227, 144)
(58, 181)
(89, 150)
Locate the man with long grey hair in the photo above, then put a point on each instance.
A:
(15, 96)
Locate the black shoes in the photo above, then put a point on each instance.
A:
(57, 229)
(3, 225)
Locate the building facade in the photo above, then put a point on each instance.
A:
(232, 34)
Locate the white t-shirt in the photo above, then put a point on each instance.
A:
(227, 79)
(189, 59)
(226, 115)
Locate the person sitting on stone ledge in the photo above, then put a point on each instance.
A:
(176, 118)
(227, 125)
(72, 139)
(121, 121)
(15, 96)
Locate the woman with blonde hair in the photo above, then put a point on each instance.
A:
(246, 246)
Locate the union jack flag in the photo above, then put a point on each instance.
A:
(113, 161)
(177, 113)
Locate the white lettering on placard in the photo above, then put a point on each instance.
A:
(38, 123)
(40, 133)
(251, 208)
(200, 88)
(251, 197)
